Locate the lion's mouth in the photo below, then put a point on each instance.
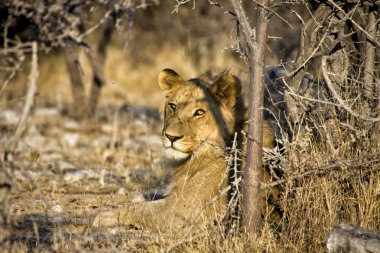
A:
(177, 150)
(176, 154)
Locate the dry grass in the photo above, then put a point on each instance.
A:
(97, 165)
(311, 205)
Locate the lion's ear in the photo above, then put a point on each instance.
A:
(227, 89)
(169, 81)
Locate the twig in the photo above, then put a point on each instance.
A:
(369, 36)
(312, 99)
(249, 33)
(25, 47)
(311, 56)
(14, 70)
(179, 3)
(235, 179)
(97, 25)
(274, 12)
(221, 7)
(338, 98)
(348, 162)
(32, 86)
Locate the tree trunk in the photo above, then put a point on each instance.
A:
(252, 175)
(79, 108)
(252, 192)
(97, 60)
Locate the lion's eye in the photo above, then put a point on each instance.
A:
(172, 106)
(199, 112)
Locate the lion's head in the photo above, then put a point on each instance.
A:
(197, 111)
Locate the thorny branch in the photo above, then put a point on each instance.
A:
(338, 98)
(271, 10)
(368, 35)
(311, 56)
(181, 2)
(351, 163)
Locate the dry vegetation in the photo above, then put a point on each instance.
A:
(63, 166)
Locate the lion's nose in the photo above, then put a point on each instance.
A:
(173, 138)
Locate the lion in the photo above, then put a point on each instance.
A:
(200, 117)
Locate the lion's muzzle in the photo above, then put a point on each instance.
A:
(173, 138)
(177, 146)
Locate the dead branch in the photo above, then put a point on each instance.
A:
(15, 69)
(339, 27)
(271, 10)
(350, 163)
(32, 87)
(338, 98)
(181, 2)
(368, 35)
(104, 19)
(309, 43)
(312, 99)
(311, 56)
(249, 33)
(24, 47)
(235, 179)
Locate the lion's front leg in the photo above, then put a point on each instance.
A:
(136, 215)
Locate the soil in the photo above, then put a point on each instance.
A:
(64, 168)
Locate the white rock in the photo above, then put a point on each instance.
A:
(121, 191)
(113, 231)
(70, 139)
(57, 209)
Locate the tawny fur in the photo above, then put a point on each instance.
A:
(200, 116)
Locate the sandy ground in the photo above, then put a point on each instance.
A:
(65, 168)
